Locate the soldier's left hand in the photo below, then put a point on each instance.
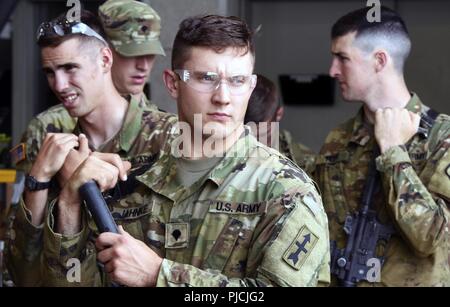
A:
(394, 127)
(128, 261)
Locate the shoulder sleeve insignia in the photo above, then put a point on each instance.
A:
(447, 171)
(300, 248)
(18, 153)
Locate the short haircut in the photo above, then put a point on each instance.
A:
(87, 18)
(211, 31)
(263, 103)
(389, 33)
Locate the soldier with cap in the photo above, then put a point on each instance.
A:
(265, 107)
(132, 30)
(218, 209)
(78, 64)
(384, 173)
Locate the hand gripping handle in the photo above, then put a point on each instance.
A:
(96, 204)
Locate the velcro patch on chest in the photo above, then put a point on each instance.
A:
(18, 153)
(119, 213)
(218, 206)
(300, 248)
(177, 235)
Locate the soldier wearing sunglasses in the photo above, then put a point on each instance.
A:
(236, 213)
(77, 62)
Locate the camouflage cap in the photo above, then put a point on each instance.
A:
(131, 27)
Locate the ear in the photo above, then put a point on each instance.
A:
(381, 60)
(171, 81)
(106, 59)
(279, 114)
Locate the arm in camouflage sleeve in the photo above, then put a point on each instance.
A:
(420, 210)
(32, 139)
(62, 254)
(291, 248)
(24, 249)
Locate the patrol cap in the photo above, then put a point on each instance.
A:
(131, 27)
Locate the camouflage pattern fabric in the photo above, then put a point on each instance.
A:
(54, 120)
(143, 134)
(414, 198)
(299, 153)
(132, 27)
(254, 220)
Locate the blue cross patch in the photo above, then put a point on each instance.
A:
(300, 248)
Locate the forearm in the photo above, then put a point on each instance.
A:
(174, 274)
(67, 257)
(68, 217)
(24, 249)
(36, 201)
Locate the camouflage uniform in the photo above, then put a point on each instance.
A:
(414, 197)
(132, 27)
(254, 220)
(142, 136)
(54, 120)
(299, 153)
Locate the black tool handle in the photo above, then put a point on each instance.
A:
(96, 204)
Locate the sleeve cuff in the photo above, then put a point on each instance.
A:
(23, 218)
(164, 274)
(58, 245)
(26, 239)
(393, 156)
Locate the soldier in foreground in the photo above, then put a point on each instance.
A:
(225, 211)
(384, 174)
(77, 62)
(134, 45)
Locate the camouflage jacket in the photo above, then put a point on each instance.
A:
(414, 197)
(54, 120)
(143, 134)
(254, 220)
(299, 153)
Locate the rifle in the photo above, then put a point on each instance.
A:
(364, 231)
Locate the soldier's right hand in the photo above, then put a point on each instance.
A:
(103, 168)
(52, 155)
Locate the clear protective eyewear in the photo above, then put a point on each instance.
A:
(64, 27)
(207, 82)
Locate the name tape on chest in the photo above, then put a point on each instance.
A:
(119, 213)
(217, 206)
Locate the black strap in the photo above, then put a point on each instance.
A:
(428, 118)
(124, 188)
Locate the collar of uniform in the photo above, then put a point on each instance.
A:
(235, 156)
(161, 176)
(414, 104)
(360, 133)
(144, 102)
(130, 127)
